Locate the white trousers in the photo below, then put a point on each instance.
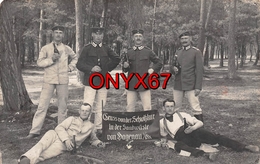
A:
(49, 146)
(145, 97)
(193, 100)
(45, 97)
(90, 95)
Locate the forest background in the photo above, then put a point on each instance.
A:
(221, 29)
(226, 31)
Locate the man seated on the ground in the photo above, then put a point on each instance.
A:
(187, 131)
(55, 142)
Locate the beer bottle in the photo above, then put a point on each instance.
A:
(175, 62)
(74, 150)
(185, 123)
(55, 49)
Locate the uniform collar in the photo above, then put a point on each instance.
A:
(95, 45)
(186, 48)
(138, 48)
(81, 120)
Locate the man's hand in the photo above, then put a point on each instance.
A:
(69, 144)
(163, 142)
(189, 129)
(150, 71)
(101, 145)
(176, 70)
(197, 92)
(96, 69)
(125, 64)
(55, 57)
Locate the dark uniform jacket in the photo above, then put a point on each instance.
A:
(91, 56)
(140, 60)
(190, 74)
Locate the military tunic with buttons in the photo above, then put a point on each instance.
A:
(92, 55)
(140, 59)
(191, 72)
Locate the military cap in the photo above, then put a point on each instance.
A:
(61, 28)
(140, 31)
(97, 29)
(186, 33)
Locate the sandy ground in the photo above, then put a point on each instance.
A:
(231, 108)
(34, 78)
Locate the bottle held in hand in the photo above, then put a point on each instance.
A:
(176, 64)
(74, 150)
(55, 49)
(185, 123)
(56, 54)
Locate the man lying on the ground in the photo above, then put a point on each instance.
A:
(187, 131)
(55, 142)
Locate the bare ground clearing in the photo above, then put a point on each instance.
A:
(231, 107)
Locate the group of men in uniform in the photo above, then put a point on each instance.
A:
(58, 59)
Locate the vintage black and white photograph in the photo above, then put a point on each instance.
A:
(129, 81)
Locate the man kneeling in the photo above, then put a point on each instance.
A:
(187, 131)
(55, 142)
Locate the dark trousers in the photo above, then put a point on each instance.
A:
(189, 142)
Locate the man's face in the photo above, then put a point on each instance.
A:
(185, 41)
(57, 35)
(169, 107)
(138, 39)
(97, 37)
(85, 112)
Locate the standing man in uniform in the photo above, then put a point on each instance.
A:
(57, 60)
(138, 61)
(96, 58)
(188, 70)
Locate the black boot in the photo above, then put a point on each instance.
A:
(199, 117)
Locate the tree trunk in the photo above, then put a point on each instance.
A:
(231, 41)
(22, 48)
(136, 14)
(104, 14)
(153, 25)
(14, 34)
(31, 48)
(206, 44)
(36, 51)
(40, 29)
(251, 46)
(202, 25)
(243, 53)
(103, 20)
(258, 50)
(218, 50)
(15, 95)
(212, 50)
(79, 33)
(206, 52)
(258, 44)
(221, 64)
(88, 37)
(257, 56)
